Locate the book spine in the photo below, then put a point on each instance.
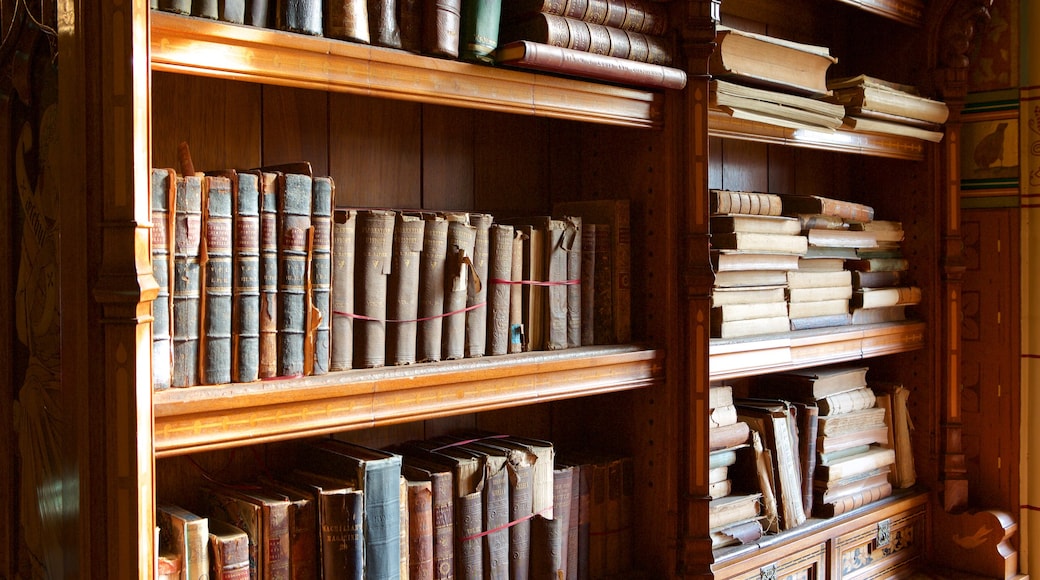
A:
(269, 275)
(571, 244)
(293, 266)
(303, 538)
(374, 242)
(204, 8)
(341, 518)
(556, 293)
(548, 548)
(588, 283)
(563, 479)
(457, 279)
(500, 258)
(479, 30)
(276, 548)
(420, 530)
(258, 13)
(477, 290)
(305, 16)
(495, 522)
(443, 526)
(186, 281)
(233, 11)
(852, 501)
(431, 289)
(469, 563)
(604, 299)
(442, 20)
(404, 523)
(403, 297)
(517, 334)
(382, 491)
(245, 363)
(175, 6)
(589, 36)
(409, 21)
(622, 270)
(344, 230)
(382, 23)
(521, 506)
(808, 420)
(323, 193)
(163, 188)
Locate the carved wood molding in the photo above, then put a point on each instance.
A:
(954, 26)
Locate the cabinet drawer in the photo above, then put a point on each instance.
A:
(886, 548)
(807, 564)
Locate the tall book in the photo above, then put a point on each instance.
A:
(556, 290)
(320, 330)
(420, 530)
(340, 521)
(275, 529)
(269, 273)
(409, 17)
(442, 489)
(163, 190)
(245, 516)
(344, 232)
(458, 277)
(186, 286)
(432, 268)
(296, 235)
(377, 474)
(383, 29)
(870, 96)
(478, 289)
(441, 21)
(258, 13)
(303, 525)
(374, 245)
(893, 398)
(216, 281)
(571, 243)
(775, 421)
(479, 29)
(588, 283)
(228, 552)
(613, 310)
(533, 294)
(186, 533)
(245, 287)
(496, 549)
(520, 465)
(500, 260)
(725, 201)
(807, 420)
(305, 17)
(403, 290)
(817, 204)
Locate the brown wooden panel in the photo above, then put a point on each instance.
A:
(220, 121)
(744, 167)
(511, 164)
(374, 151)
(293, 127)
(447, 158)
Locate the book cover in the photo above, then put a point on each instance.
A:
(420, 529)
(817, 308)
(738, 261)
(383, 29)
(724, 437)
(724, 296)
(410, 23)
(432, 270)
(588, 283)
(304, 551)
(876, 279)
(533, 292)
(478, 288)
(847, 402)
(771, 62)
(341, 524)
(744, 279)
(876, 456)
(441, 21)
(186, 288)
(442, 490)
(500, 260)
(517, 334)
(479, 30)
(852, 501)
(319, 327)
(558, 59)
(228, 552)
(548, 547)
(762, 224)
(270, 276)
(571, 244)
(275, 525)
(185, 533)
(893, 398)
(373, 253)
(734, 508)
(733, 312)
(344, 231)
(163, 190)
(815, 204)
(295, 242)
(819, 293)
(798, 279)
(245, 516)
(882, 297)
(874, 95)
(864, 435)
(403, 289)
(245, 288)
(776, 423)
(813, 383)
(760, 242)
(725, 201)
(752, 327)
(852, 421)
(347, 20)
(305, 17)
(807, 419)
(520, 465)
(458, 277)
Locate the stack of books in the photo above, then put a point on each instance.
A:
(881, 292)
(735, 514)
(752, 249)
(874, 105)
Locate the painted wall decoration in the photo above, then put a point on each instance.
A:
(989, 150)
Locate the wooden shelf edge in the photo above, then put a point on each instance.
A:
(214, 417)
(198, 46)
(729, 359)
(876, 145)
(909, 12)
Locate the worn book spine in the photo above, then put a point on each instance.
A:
(420, 530)
(245, 516)
(571, 244)
(588, 283)
(443, 508)
(382, 23)
(479, 30)
(186, 287)
(557, 290)
(563, 487)
(469, 561)
(808, 420)
(409, 21)
(724, 201)
(548, 547)
(204, 8)
(341, 517)
(175, 6)
(269, 275)
(498, 291)
(404, 523)
(458, 275)
(477, 289)
(521, 507)
(228, 551)
(344, 230)
(233, 11)
(302, 16)
(374, 242)
(441, 22)
(245, 362)
(295, 191)
(163, 188)
(495, 522)
(431, 289)
(517, 334)
(852, 501)
(403, 291)
(258, 13)
(347, 20)
(320, 330)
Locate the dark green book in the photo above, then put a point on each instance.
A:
(479, 30)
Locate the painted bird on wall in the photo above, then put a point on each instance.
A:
(990, 148)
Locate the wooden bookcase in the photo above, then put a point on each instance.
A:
(405, 131)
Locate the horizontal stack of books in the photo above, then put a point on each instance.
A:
(874, 105)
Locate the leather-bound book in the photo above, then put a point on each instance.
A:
(269, 275)
(479, 30)
(409, 21)
(163, 188)
(186, 287)
(245, 288)
(303, 530)
(441, 21)
(440, 478)
(403, 292)
(431, 288)
(324, 191)
(588, 283)
(228, 552)
(204, 8)
(382, 23)
(420, 530)
(374, 243)
(548, 547)
(458, 276)
(295, 241)
(498, 288)
(258, 13)
(347, 20)
(477, 289)
(233, 11)
(344, 230)
(340, 524)
(302, 16)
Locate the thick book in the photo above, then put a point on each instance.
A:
(744, 279)
(377, 474)
(876, 279)
(817, 308)
(635, 15)
(852, 421)
(186, 533)
(319, 330)
(246, 516)
(347, 20)
(458, 277)
(479, 30)
(893, 398)
(770, 62)
(720, 396)
(500, 263)
(590, 37)
(865, 124)
(479, 287)
(441, 21)
(163, 190)
(303, 17)
(847, 402)
(275, 529)
(410, 23)
(742, 532)
(416, 468)
(852, 501)
(420, 530)
(820, 293)
(794, 204)
(215, 340)
(725, 201)
(760, 242)
(517, 335)
(341, 524)
(869, 94)
(724, 437)
(797, 279)
(403, 289)
(304, 550)
(344, 232)
(761, 224)
(752, 327)
(878, 265)
(270, 277)
(864, 435)
(373, 253)
(776, 423)
(568, 61)
(245, 288)
(775, 107)
(432, 269)
(811, 384)
(730, 509)
(876, 456)
(383, 28)
(807, 420)
(295, 244)
(722, 415)
(548, 541)
(228, 552)
(881, 297)
(613, 307)
(824, 321)
(733, 312)
(841, 238)
(495, 540)
(186, 284)
(724, 296)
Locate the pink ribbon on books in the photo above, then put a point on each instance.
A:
(505, 526)
(373, 319)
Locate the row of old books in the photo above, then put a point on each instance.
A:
(823, 441)
(758, 77)
(795, 262)
(473, 506)
(262, 278)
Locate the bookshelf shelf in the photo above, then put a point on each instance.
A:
(222, 416)
(197, 46)
(751, 356)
